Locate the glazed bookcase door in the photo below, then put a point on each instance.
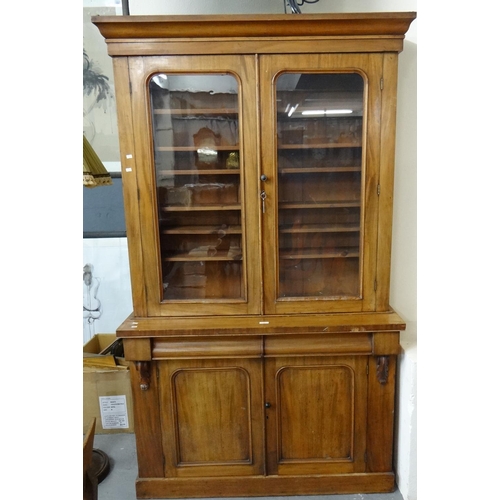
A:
(197, 114)
(321, 144)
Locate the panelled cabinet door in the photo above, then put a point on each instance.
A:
(316, 414)
(320, 156)
(212, 417)
(195, 143)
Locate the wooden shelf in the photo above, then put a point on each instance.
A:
(202, 230)
(321, 228)
(207, 171)
(308, 170)
(196, 112)
(312, 205)
(325, 145)
(196, 148)
(186, 257)
(319, 253)
(200, 208)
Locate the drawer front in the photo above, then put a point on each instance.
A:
(318, 345)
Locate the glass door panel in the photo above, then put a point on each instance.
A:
(319, 159)
(196, 131)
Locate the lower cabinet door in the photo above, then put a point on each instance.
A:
(316, 414)
(212, 417)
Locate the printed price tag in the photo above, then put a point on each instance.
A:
(114, 412)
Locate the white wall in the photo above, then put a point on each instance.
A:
(109, 258)
(171, 7)
(404, 261)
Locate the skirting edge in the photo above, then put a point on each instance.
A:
(254, 486)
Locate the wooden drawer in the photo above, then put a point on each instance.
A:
(318, 345)
(207, 348)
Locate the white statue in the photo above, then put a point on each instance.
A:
(91, 304)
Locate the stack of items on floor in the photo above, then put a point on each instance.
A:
(107, 395)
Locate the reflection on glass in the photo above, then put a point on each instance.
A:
(320, 128)
(196, 142)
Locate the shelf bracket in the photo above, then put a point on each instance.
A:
(144, 369)
(383, 369)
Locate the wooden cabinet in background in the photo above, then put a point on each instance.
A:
(258, 156)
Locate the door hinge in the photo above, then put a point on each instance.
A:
(378, 189)
(130, 87)
(381, 84)
(367, 370)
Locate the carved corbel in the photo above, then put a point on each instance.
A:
(383, 369)
(144, 369)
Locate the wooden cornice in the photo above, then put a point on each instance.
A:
(115, 28)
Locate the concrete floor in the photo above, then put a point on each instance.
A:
(120, 482)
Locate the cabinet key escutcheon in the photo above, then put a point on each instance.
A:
(263, 197)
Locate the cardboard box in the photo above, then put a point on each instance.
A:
(107, 394)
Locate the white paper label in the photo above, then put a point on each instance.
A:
(114, 412)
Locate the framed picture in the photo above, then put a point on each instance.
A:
(100, 124)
